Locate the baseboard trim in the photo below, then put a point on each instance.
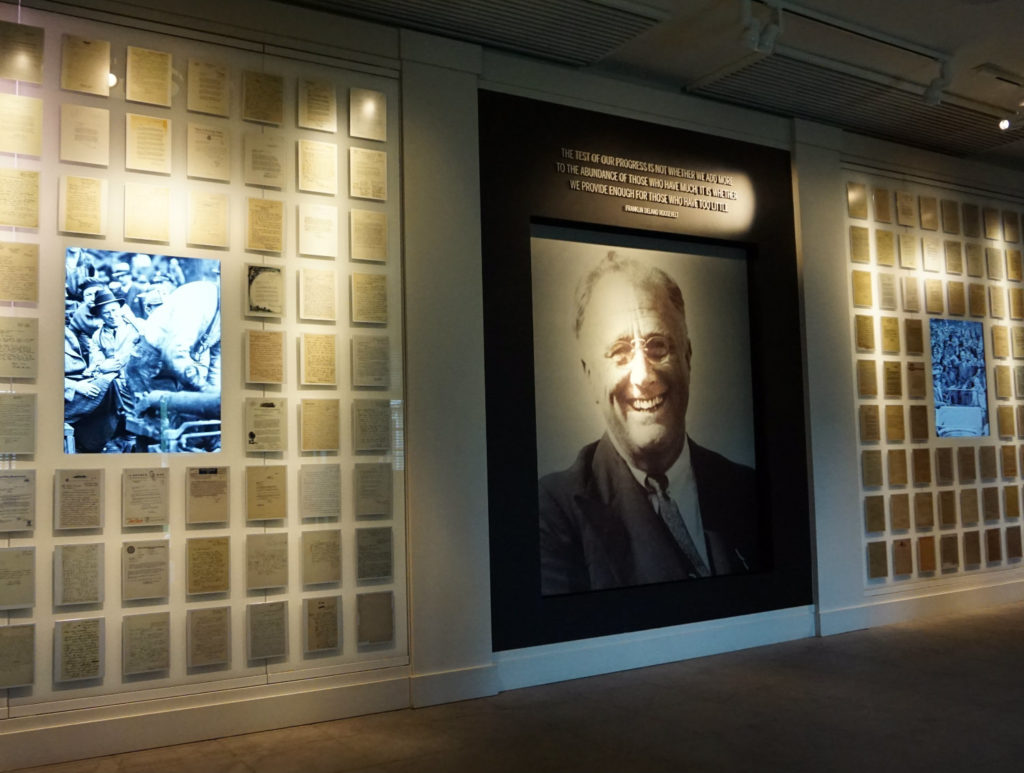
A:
(885, 611)
(456, 685)
(572, 660)
(74, 735)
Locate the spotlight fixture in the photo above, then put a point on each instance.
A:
(936, 89)
(1004, 124)
(760, 36)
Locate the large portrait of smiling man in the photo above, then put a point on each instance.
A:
(645, 430)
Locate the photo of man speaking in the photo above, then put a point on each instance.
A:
(644, 502)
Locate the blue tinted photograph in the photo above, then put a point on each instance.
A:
(958, 378)
(141, 353)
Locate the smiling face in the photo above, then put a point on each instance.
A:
(636, 356)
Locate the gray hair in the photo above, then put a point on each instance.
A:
(639, 275)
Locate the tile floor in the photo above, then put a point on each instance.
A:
(935, 696)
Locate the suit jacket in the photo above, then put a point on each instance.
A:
(598, 529)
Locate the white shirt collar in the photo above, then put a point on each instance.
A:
(682, 487)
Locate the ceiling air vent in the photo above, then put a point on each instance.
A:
(576, 32)
(1000, 74)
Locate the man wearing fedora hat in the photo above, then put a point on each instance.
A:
(111, 345)
(95, 397)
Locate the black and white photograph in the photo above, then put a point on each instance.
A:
(958, 378)
(142, 353)
(646, 444)
(645, 428)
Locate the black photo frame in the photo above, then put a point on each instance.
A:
(550, 165)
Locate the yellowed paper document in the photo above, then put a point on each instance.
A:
(321, 557)
(208, 152)
(371, 425)
(318, 105)
(882, 200)
(21, 128)
(207, 565)
(264, 356)
(318, 230)
(322, 622)
(145, 643)
(147, 144)
(368, 178)
(264, 225)
(266, 561)
(370, 298)
(208, 631)
(320, 491)
(148, 77)
(78, 649)
(78, 574)
(19, 198)
(21, 52)
(145, 570)
(85, 65)
(85, 134)
(371, 361)
(18, 575)
(375, 617)
(266, 492)
(373, 489)
(207, 494)
(145, 496)
(869, 424)
(17, 423)
(267, 630)
(318, 294)
(266, 424)
(320, 427)
(19, 347)
(18, 666)
(147, 212)
(18, 494)
(19, 272)
(374, 557)
(857, 200)
(369, 235)
(262, 97)
(208, 219)
(264, 296)
(208, 88)
(318, 167)
(318, 359)
(263, 155)
(82, 205)
(367, 114)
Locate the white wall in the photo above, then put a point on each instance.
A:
(446, 435)
(824, 158)
(447, 484)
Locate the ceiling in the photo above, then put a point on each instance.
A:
(936, 74)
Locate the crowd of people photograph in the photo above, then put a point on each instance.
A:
(142, 353)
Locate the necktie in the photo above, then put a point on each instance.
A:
(658, 485)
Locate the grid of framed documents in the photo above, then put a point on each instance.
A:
(937, 331)
(222, 227)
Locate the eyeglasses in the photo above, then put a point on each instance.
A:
(655, 348)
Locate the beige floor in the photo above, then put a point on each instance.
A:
(944, 695)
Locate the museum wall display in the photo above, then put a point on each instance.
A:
(938, 331)
(675, 219)
(912, 402)
(375, 214)
(213, 495)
